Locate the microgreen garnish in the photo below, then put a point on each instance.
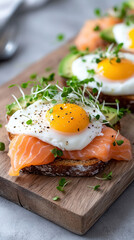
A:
(91, 71)
(62, 184)
(73, 49)
(98, 60)
(117, 49)
(24, 85)
(105, 176)
(83, 60)
(95, 188)
(115, 8)
(118, 60)
(97, 117)
(111, 52)
(95, 90)
(122, 11)
(2, 146)
(51, 110)
(97, 12)
(56, 198)
(48, 69)
(122, 112)
(97, 28)
(33, 76)
(129, 20)
(13, 85)
(118, 142)
(53, 101)
(51, 77)
(56, 152)
(29, 122)
(0, 125)
(60, 37)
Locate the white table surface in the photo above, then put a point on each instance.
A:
(38, 30)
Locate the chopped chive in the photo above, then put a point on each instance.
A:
(0, 125)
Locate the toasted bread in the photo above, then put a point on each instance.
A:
(67, 167)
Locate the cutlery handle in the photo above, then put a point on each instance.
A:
(10, 17)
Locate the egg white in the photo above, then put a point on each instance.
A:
(42, 130)
(115, 88)
(121, 32)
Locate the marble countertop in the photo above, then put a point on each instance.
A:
(37, 33)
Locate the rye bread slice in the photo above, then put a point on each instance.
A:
(73, 168)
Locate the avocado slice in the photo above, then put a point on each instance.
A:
(108, 35)
(110, 114)
(13, 107)
(65, 66)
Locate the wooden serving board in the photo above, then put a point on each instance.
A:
(79, 207)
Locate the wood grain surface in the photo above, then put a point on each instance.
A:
(79, 207)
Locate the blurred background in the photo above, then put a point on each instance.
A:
(29, 29)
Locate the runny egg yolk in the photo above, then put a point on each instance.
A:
(67, 118)
(114, 70)
(131, 37)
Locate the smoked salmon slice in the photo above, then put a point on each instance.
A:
(103, 147)
(25, 151)
(89, 38)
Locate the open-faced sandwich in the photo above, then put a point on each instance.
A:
(115, 26)
(113, 69)
(63, 131)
